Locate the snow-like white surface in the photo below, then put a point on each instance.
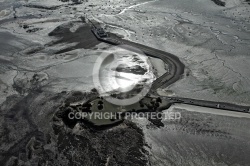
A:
(212, 41)
(159, 66)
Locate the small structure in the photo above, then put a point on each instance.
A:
(98, 31)
(101, 32)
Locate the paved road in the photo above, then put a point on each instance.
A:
(210, 104)
(176, 67)
(176, 70)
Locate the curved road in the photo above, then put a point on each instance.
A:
(176, 68)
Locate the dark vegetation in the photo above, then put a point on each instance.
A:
(219, 2)
(82, 36)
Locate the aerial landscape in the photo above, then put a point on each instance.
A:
(124, 82)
